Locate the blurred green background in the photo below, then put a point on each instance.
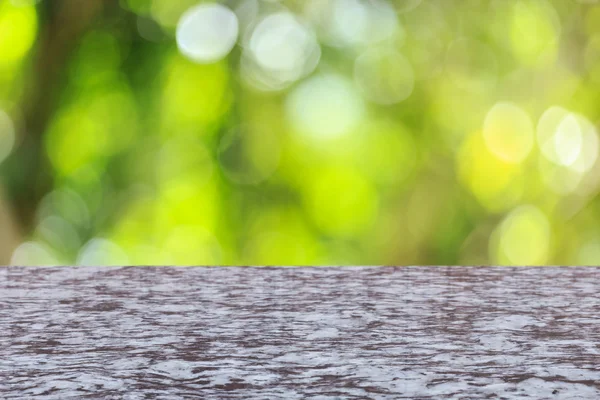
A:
(300, 132)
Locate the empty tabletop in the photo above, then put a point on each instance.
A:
(299, 333)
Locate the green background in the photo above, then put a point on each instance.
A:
(117, 149)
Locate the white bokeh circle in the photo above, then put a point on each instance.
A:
(206, 33)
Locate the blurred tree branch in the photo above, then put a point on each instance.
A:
(62, 24)
(9, 234)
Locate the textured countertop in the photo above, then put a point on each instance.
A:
(300, 333)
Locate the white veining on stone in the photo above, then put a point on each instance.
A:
(297, 333)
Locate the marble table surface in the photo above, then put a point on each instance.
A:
(299, 333)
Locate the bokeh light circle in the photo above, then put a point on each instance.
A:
(567, 139)
(324, 107)
(546, 131)
(560, 179)
(100, 251)
(534, 30)
(18, 27)
(281, 49)
(58, 233)
(508, 132)
(206, 33)
(278, 42)
(67, 204)
(523, 238)
(34, 254)
(352, 23)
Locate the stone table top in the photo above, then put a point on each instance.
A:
(300, 333)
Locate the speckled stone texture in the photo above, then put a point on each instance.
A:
(300, 333)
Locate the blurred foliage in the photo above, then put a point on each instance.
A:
(299, 132)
